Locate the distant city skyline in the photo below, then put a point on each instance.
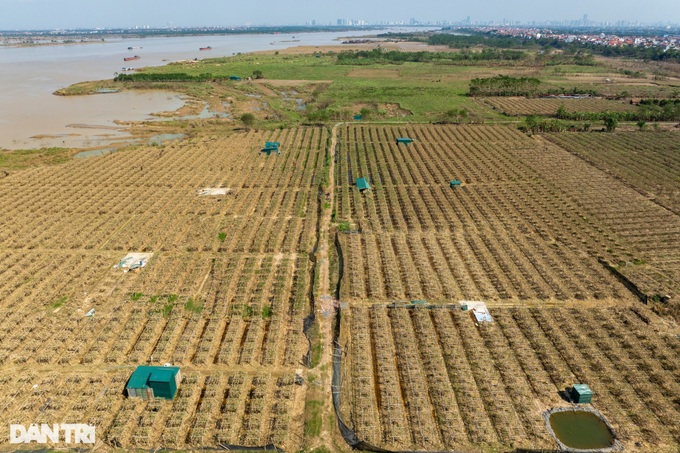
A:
(66, 14)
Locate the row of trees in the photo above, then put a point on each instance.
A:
(366, 57)
(534, 124)
(647, 110)
(177, 77)
(490, 39)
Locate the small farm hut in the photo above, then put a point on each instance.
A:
(404, 140)
(581, 394)
(454, 183)
(362, 184)
(234, 77)
(271, 147)
(358, 117)
(149, 382)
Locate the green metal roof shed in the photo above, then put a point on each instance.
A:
(454, 183)
(581, 393)
(362, 184)
(404, 140)
(149, 382)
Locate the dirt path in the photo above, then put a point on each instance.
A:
(325, 313)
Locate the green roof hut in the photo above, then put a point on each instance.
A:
(454, 183)
(149, 382)
(404, 140)
(362, 184)
(271, 147)
(581, 394)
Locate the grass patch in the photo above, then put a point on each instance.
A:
(192, 306)
(313, 420)
(221, 236)
(266, 312)
(24, 158)
(317, 348)
(344, 226)
(167, 309)
(136, 296)
(59, 302)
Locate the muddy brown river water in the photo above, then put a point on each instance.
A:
(32, 117)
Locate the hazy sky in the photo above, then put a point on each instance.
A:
(33, 14)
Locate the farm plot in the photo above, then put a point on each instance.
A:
(429, 379)
(509, 233)
(643, 236)
(224, 295)
(518, 106)
(647, 161)
(211, 408)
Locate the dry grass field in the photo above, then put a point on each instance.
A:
(224, 295)
(528, 232)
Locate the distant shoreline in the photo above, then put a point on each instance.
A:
(32, 38)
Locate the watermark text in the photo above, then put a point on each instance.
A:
(68, 433)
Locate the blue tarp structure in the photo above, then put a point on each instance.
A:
(271, 147)
(149, 382)
(362, 184)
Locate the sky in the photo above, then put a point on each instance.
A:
(55, 14)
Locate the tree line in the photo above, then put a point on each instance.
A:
(375, 56)
(490, 39)
(647, 110)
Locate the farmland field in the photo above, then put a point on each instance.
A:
(224, 295)
(539, 235)
(647, 161)
(515, 106)
(430, 379)
(537, 232)
(528, 223)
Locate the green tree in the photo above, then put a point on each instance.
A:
(641, 125)
(562, 112)
(257, 74)
(611, 121)
(532, 123)
(248, 119)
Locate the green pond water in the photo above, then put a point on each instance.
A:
(581, 430)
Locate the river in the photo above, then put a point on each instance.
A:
(32, 117)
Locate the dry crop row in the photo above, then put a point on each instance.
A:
(148, 198)
(516, 106)
(443, 383)
(648, 161)
(464, 265)
(213, 309)
(224, 295)
(646, 234)
(509, 232)
(210, 408)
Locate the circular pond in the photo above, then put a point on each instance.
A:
(582, 430)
